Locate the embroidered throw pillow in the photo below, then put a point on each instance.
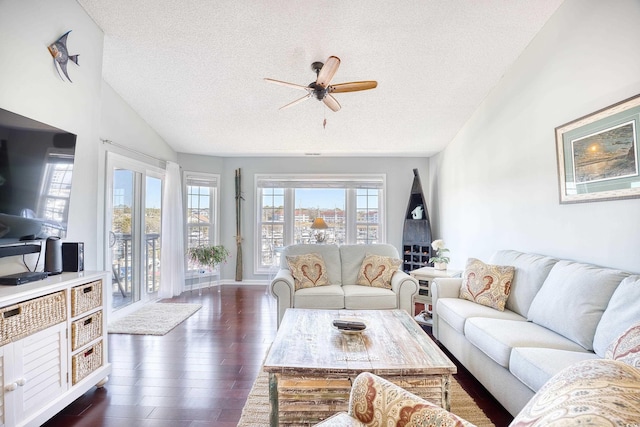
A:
(597, 392)
(308, 270)
(376, 271)
(627, 347)
(486, 284)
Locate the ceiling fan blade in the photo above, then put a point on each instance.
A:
(293, 85)
(352, 86)
(331, 102)
(328, 71)
(297, 101)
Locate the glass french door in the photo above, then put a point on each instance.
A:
(133, 228)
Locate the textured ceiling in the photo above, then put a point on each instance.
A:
(194, 69)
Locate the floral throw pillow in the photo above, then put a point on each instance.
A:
(487, 284)
(376, 271)
(627, 347)
(308, 270)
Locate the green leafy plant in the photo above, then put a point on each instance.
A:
(441, 252)
(208, 256)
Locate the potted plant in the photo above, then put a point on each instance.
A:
(441, 259)
(208, 256)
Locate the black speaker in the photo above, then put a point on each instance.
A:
(53, 256)
(73, 256)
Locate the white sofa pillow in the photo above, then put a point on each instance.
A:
(623, 311)
(573, 298)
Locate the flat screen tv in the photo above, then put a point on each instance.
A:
(36, 165)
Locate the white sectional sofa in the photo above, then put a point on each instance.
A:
(343, 264)
(558, 313)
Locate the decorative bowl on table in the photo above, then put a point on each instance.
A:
(349, 325)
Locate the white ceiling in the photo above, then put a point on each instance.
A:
(194, 69)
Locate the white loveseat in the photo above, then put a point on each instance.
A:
(343, 264)
(558, 313)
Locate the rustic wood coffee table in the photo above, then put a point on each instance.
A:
(311, 364)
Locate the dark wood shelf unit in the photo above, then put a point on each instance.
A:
(416, 236)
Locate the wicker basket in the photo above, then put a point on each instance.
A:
(85, 362)
(86, 297)
(86, 330)
(28, 317)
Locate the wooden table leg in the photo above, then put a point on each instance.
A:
(273, 399)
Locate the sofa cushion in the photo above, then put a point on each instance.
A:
(308, 270)
(357, 297)
(456, 311)
(573, 298)
(497, 337)
(376, 271)
(486, 284)
(531, 271)
(325, 297)
(591, 393)
(353, 255)
(330, 254)
(619, 314)
(536, 366)
(627, 347)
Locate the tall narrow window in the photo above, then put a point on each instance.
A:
(367, 216)
(202, 211)
(351, 206)
(272, 228)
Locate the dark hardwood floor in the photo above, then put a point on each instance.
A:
(200, 373)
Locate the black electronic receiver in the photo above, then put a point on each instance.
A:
(349, 325)
(22, 278)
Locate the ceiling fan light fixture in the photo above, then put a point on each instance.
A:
(321, 88)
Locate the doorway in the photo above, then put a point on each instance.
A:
(133, 228)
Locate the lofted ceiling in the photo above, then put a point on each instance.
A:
(194, 69)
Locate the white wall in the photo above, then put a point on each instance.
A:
(399, 172)
(30, 86)
(496, 185)
(88, 107)
(120, 124)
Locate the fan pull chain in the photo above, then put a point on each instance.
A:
(324, 122)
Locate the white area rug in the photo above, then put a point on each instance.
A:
(153, 319)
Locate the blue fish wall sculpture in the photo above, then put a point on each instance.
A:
(58, 50)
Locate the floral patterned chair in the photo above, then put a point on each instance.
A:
(599, 392)
(375, 401)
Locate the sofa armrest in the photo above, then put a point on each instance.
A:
(282, 287)
(376, 401)
(405, 287)
(443, 287)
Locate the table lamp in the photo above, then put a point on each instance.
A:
(319, 224)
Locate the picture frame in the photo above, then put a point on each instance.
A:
(598, 156)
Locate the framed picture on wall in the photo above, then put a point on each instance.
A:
(598, 155)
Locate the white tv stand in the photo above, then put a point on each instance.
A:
(53, 345)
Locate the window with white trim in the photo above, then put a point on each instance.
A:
(202, 211)
(351, 206)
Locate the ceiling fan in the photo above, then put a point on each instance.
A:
(321, 89)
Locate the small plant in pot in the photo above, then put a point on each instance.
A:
(441, 259)
(208, 256)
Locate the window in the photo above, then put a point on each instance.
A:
(202, 211)
(351, 206)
